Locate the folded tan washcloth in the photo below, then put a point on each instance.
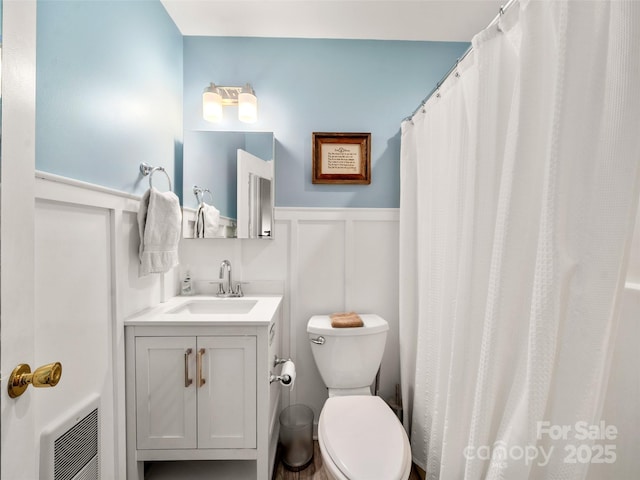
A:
(346, 320)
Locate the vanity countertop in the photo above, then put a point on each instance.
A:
(209, 310)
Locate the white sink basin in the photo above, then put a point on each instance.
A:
(226, 306)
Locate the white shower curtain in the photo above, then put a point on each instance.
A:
(519, 184)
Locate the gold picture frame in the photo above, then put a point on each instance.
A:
(341, 158)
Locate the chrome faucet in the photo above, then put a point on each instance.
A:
(225, 288)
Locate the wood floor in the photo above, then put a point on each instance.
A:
(315, 471)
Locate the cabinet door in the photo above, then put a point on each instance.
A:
(227, 399)
(165, 401)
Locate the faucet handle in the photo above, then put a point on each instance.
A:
(238, 289)
(220, 287)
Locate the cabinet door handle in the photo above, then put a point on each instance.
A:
(201, 381)
(187, 380)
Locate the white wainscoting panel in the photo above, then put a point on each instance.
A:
(375, 288)
(73, 312)
(137, 292)
(202, 257)
(317, 287)
(338, 260)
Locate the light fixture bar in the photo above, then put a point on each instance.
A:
(229, 95)
(215, 97)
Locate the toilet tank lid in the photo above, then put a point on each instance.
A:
(321, 325)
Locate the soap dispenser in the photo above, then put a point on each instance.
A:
(187, 288)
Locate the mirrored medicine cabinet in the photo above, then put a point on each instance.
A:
(233, 172)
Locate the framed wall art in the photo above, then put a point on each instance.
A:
(342, 158)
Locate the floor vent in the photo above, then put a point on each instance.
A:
(71, 450)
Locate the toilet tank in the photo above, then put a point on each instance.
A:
(349, 357)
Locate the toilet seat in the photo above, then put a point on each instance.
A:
(363, 439)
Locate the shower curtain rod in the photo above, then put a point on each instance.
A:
(501, 12)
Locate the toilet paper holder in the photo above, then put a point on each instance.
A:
(279, 361)
(284, 379)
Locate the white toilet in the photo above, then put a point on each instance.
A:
(360, 438)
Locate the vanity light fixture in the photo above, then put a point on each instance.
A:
(212, 104)
(215, 97)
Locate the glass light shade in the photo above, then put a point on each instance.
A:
(211, 106)
(247, 107)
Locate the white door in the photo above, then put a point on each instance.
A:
(227, 399)
(166, 392)
(250, 166)
(17, 293)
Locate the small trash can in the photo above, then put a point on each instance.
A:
(296, 436)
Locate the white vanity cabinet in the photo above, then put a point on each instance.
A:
(187, 396)
(197, 387)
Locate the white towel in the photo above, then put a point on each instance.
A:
(159, 223)
(207, 221)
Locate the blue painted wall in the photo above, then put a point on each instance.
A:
(109, 91)
(306, 86)
(116, 83)
(210, 163)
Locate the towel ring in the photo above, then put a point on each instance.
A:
(146, 169)
(201, 191)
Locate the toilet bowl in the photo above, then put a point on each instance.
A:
(360, 437)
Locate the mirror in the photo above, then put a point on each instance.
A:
(241, 191)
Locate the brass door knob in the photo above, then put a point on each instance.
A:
(44, 376)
